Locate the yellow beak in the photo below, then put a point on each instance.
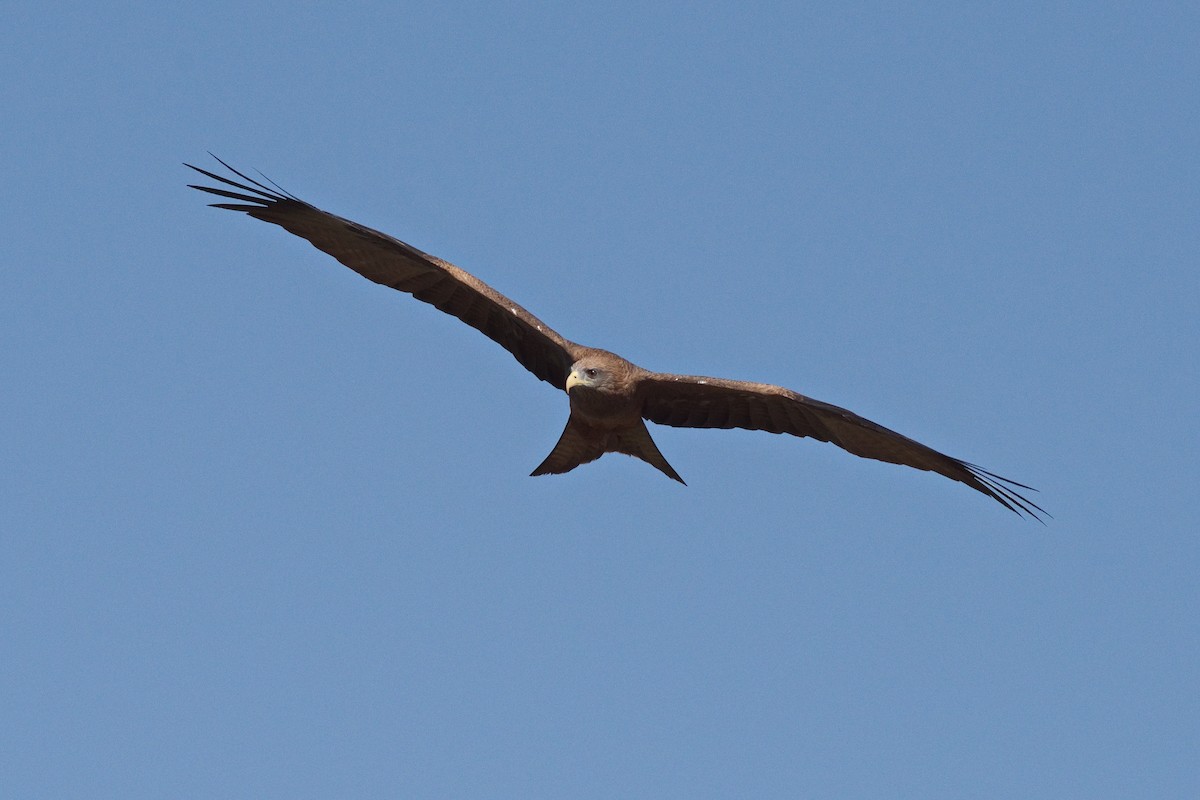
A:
(573, 380)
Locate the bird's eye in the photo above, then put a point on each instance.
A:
(590, 372)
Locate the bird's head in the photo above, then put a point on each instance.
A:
(603, 386)
(590, 374)
(601, 390)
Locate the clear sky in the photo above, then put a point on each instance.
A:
(267, 530)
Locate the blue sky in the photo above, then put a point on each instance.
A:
(267, 529)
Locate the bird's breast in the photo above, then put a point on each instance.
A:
(602, 409)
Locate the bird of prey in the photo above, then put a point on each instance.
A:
(610, 397)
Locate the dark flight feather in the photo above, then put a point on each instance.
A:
(391, 262)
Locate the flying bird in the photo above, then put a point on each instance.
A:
(610, 397)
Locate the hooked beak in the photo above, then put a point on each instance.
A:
(573, 380)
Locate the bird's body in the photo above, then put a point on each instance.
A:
(610, 398)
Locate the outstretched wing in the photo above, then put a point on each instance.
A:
(390, 262)
(686, 401)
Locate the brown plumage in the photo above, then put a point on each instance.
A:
(610, 398)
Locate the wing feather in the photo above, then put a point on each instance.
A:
(393, 263)
(687, 401)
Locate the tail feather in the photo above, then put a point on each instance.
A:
(580, 444)
(574, 447)
(636, 442)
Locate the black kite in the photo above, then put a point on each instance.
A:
(610, 398)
